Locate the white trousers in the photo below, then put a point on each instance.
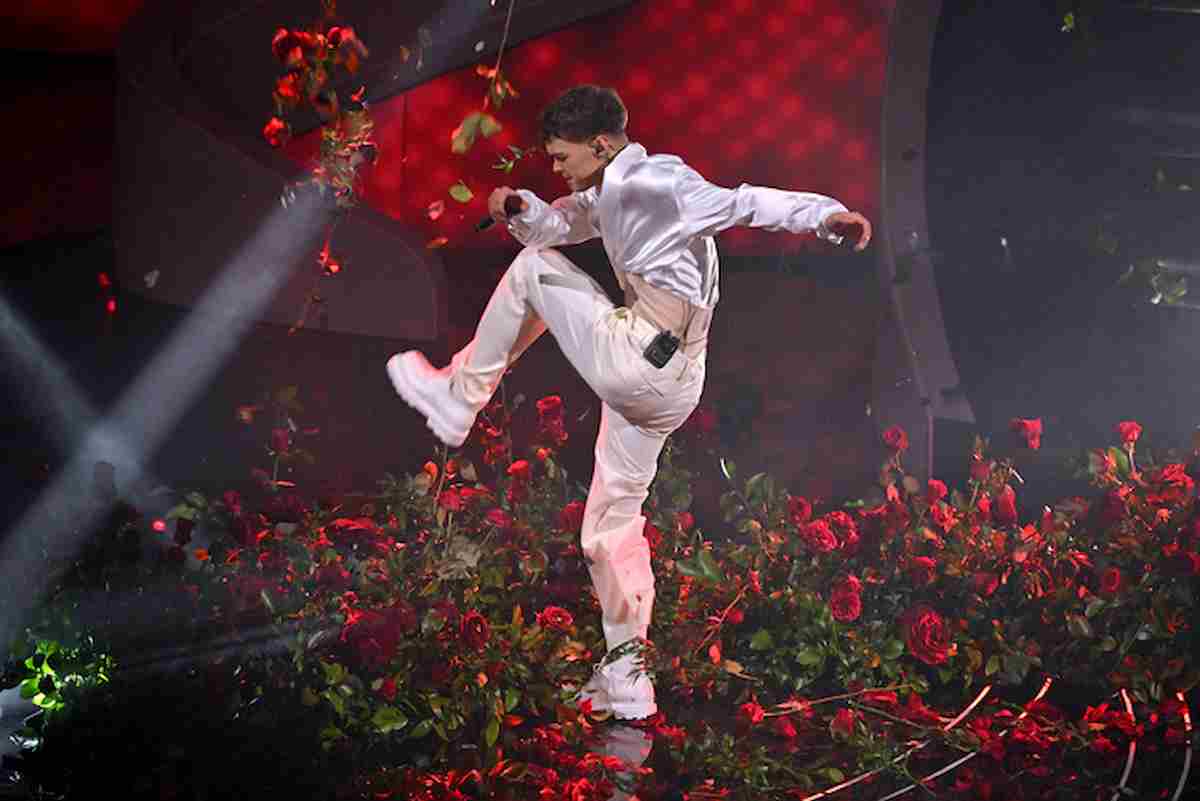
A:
(641, 405)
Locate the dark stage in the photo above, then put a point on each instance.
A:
(931, 529)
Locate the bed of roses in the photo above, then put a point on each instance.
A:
(427, 639)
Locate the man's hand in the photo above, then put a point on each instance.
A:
(840, 221)
(496, 203)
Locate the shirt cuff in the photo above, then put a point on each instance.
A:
(826, 234)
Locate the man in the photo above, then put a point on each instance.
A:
(645, 360)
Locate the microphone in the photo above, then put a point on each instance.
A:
(513, 205)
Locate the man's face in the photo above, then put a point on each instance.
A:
(576, 162)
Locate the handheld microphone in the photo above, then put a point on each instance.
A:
(513, 205)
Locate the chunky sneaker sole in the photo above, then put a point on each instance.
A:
(625, 697)
(428, 391)
(594, 690)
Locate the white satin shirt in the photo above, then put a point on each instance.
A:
(657, 217)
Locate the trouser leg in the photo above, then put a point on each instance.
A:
(612, 536)
(541, 290)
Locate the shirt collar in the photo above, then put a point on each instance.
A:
(631, 154)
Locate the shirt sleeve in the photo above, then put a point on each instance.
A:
(566, 221)
(706, 209)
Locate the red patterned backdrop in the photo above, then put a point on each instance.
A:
(782, 94)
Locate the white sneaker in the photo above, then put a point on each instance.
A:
(622, 688)
(427, 390)
(630, 691)
(596, 691)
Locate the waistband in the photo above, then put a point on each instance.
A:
(669, 312)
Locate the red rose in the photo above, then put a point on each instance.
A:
(276, 132)
(800, 510)
(984, 506)
(702, 422)
(751, 712)
(281, 440)
(819, 536)
(1175, 483)
(388, 688)
(1110, 581)
(653, 536)
(981, 469)
(985, 583)
(500, 518)
(551, 429)
(937, 490)
(850, 583)
(846, 607)
(556, 618)
(571, 517)
(922, 569)
(784, 727)
(736, 616)
(287, 90)
(1031, 430)
(1129, 431)
(925, 633)
(845, 601)
(1005, 510)
(896, 439)
(685, 521)
(451, 501)
(843, 722)
(550, 406)
(475, 630)
(520, 470)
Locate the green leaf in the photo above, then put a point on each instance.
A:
(388, 719)
(461, 192)
(892, 649)
(183, 510)
(809, 657)
(512, 697)
(993, 665)
(329, 734)
(489, 126)
(709, 566)
(422, 729)
(196, 499)
(1123, 467)
(1108, 644)
(754, 483)
(335, 673)
(29, 688)
(834, 775)
(492, 733)
(1094, 607)
(761, 641)
(465, 134)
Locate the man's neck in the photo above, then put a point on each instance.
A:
(609, 160)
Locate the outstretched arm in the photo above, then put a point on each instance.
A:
(565, 222)
(706, 209)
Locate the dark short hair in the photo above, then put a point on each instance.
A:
(582, 112)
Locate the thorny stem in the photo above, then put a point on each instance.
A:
(714, 628)
(842, 697)
(503, 40)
